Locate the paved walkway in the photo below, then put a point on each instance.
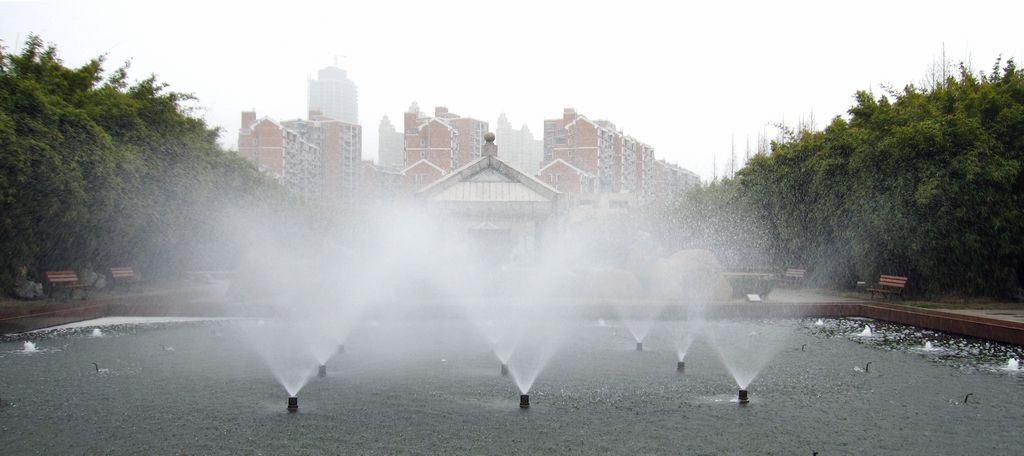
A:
(799, 295)
(817, 296)
(1016, 315)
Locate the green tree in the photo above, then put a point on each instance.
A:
(96, 172)
(922, 183)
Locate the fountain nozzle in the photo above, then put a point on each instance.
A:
(524, 401)
(293, 404)
(681, 367)
(639, 346)
(322, 372)
(743, 397)
(504, 370)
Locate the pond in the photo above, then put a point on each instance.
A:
(206, 387)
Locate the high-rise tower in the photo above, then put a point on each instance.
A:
(334, 95)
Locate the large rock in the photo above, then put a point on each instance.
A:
(699, 276)
(663, 280)
(613, 284)
(27, 289)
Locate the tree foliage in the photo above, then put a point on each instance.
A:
(922, 183)
(96, 172)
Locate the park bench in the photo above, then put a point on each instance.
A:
(793, 276)
(66, 280)
(889, 286)
(124, 275)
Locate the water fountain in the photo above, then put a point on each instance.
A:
(503, 348)
(1013, 364)
(682, 346)
(289, 358)
(538, 343)
(867, 332)
(639, 319)
(745, 352)
(96, 332)
(29, 347)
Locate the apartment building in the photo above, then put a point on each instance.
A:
(317, 158)
(283, 154)
(334, 95)
(340, 146)
(518, 147)
(390, 146)
(579, 150)
(446, 140)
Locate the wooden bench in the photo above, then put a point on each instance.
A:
(794, 276)
(124, 275)
(67, 280)
(888, 286)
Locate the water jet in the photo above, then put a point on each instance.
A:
(322, 372)
(743, 396)
(293, 403)
(680, 366)
(524, 401)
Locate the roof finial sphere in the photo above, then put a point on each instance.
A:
(489, 137)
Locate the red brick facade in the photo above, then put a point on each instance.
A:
(619, 163)
(446, 140)
(567, 178)
(318, 158)
(421, 174)
(262, 143)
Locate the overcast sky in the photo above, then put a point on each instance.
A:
(684, 78)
